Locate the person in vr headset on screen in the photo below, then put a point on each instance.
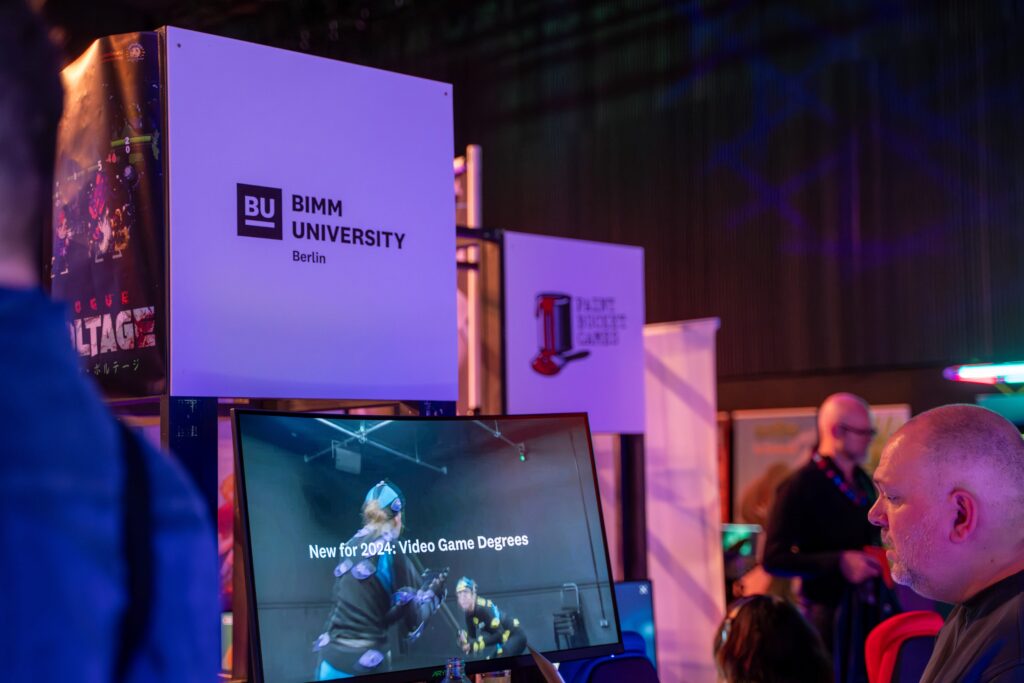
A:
(487, 626)
(373, 590)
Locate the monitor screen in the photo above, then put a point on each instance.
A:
(381, 547)
(636, 613)
(739, 544)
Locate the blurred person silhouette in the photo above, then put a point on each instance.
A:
(951, 510)
(818, 530)
(765, 639)
(108, 555)
(756, 503)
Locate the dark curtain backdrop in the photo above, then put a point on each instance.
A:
(839, 181)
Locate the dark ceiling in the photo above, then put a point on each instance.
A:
(836, 180)
(424, 35)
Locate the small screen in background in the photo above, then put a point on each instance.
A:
(739, 543)
(635, 603)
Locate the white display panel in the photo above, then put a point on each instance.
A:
(311, 226)
(684, 538)
(574, 317)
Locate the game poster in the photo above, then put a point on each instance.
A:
(105, 256)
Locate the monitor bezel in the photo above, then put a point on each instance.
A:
(420, 673)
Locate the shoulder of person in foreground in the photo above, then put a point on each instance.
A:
(182, 641)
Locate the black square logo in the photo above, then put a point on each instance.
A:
(259, 211)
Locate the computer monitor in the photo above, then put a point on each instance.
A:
(739, 545)
(635, 603)
(739, 550)
(381, 547)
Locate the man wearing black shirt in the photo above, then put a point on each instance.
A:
(818, 526)
(951, 509)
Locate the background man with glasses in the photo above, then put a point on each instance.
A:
(818, 528)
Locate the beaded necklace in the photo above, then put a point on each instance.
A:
(858, 499)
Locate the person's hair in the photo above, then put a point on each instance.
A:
(31, 102)
(377, 518)
(764, 639)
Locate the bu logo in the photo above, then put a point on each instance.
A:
(259, 206)
(259, 211)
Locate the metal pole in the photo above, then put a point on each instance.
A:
(634, 508)
(474, 298)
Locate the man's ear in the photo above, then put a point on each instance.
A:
(965, 515)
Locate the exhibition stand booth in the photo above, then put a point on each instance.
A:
(237, 226)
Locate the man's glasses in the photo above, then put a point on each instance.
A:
(869, 432)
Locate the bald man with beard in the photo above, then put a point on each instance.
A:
(951, 510)
(818, 525)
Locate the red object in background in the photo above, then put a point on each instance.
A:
(554, 332)
(879, 554)
(882, 648)
(226, 541)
